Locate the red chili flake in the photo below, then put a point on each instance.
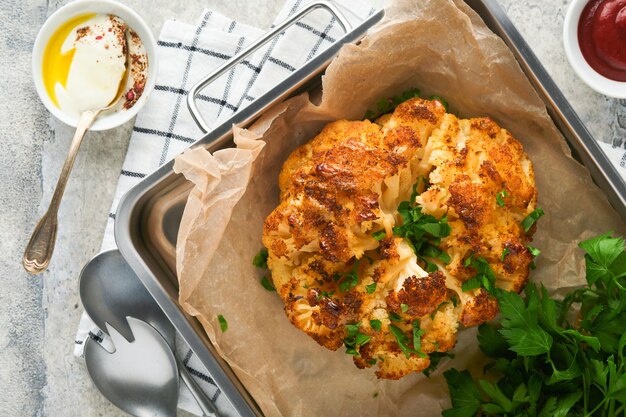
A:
(130, 95)
(98, 37)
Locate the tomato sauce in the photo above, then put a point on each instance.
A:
(602, 37)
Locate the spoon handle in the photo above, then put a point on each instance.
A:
(207, 407)
(39, 250)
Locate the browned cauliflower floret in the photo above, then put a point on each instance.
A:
(344, 274)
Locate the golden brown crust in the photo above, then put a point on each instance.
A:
(480, 309)
(420, 296)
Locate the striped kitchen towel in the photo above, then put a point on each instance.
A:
(164, 127)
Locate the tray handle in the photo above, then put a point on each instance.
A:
(203, 83)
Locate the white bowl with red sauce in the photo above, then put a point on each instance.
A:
(594, 36)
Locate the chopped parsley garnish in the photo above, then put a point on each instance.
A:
(422, 231)
(404, 308)
(394, 317)
(435, 359)
(554, 357)
(370, 288)
(528, 222)
(430, 267)
(433, 251)
(505, 252)
(387, 105)
(443, 303)
(500, 198)
(379, 235)
(267, 284)
(375, 324)
(223, 323)
(403, 341)
(420, 180)
(354, 339)
(533, 251)
(417, 338)
(455, 299)
(350, 279)
(485, 277)
(260, 259)
(372, 361)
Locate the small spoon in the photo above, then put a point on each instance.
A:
(39, 250)
(111, 292)
(140, 377)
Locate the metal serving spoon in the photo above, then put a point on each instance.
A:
(39, 250)
(111, 292)
(139, 377)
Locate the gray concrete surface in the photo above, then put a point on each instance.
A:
(38, 315)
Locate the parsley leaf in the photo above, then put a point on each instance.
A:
(491, 342)
(417, 338)
(350, 279)
(327, 294)
(371, 288)
(375, 324)
(394, 317)
(464, 393)
(602, 251)
(484, 278)
(528, 222)
(354, 339)
(533, 251)
(435, 360)
(260, 259)
(403, 340)
(521, 327)
(423, 232)
(379, 235)
(500, 198)
(505, 252)
(267, 283)
(386, 105)
(223, 323)
(404, 308)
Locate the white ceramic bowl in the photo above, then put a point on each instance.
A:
(575, 57)
(65, 13)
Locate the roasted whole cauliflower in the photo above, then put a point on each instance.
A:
(389, 235)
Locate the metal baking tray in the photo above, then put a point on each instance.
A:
(160, 198)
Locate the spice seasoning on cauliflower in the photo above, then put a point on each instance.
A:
(389, 235)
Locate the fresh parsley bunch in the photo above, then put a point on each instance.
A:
(554, 358)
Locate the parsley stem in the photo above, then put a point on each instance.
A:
(600, 404)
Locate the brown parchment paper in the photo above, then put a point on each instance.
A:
(442, 47)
